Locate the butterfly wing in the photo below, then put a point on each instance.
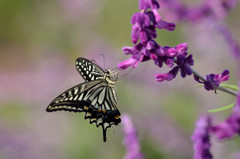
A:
(89, 70)
(95, 98)
(72, 99)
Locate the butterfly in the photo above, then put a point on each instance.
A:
(96, 97)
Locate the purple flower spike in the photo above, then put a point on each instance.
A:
(201, 138)
(131, 140)
(144, 25)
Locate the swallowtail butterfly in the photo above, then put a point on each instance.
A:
(96, 97)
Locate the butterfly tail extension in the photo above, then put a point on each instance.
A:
(104, 134)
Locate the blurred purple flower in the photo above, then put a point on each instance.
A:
(201, 138)
(131, 140)
(178, 10)
(213, 11)
(213, 80)
(231, 126)
(232, 43)
(145, 4)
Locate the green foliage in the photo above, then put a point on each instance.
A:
(222, 108)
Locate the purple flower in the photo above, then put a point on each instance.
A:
(137, 49)
(182, 49)
(144, 24)
(169, 51)
(165, 25)
(201, 138)
(183, 64)
(131, 140)
(146, 4)
(231, 126)
(214, 80)
(164, 77)
(217, 9)
(129, 62)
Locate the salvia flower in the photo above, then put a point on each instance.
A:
(213, 80)
(184, 64)
(201, 138)
(131, 140)
(231, 126)
(144, 25)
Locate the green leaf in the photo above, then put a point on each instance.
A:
(199, 85)
(222, 108)
(232, 87)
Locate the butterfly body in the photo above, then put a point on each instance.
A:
(96, 97)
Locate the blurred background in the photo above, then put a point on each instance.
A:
(39, 42)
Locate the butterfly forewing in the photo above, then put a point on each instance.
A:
(72, 99)
(88, 70)
(95, 97)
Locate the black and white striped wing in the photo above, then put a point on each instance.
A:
(71, 99)
(89, 70)
(95, 98)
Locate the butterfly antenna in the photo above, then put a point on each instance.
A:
(94, 61)
(103, 61)
(127, 73)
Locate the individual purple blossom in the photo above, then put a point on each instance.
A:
(131, 140)
(164, 77)
(213, 80)
(129, 62)
(231, 126)
(183, 64)
(165, 25)
(201, 138)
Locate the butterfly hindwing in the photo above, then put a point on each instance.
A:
(89, 70)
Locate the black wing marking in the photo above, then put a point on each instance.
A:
(89, 70)
(71, 100)
(95, 98)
